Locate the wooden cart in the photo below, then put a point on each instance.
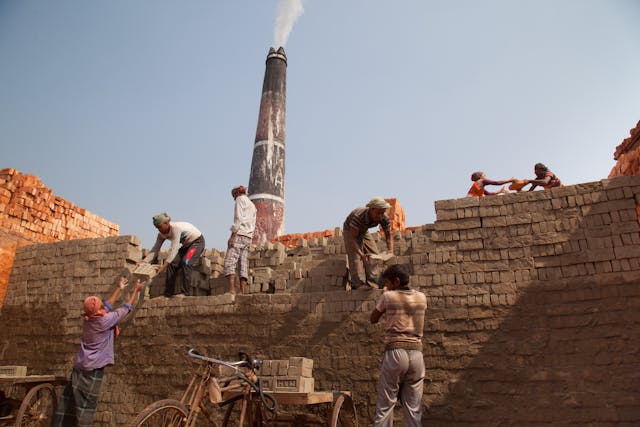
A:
(343, 410)
(28, 400)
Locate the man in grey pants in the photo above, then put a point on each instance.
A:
(402, 369)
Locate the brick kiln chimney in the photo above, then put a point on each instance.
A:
(266, 183)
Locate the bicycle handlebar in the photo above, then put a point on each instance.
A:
(241, 363)
(248, 361)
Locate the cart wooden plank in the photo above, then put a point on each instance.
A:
(299, 398)
(32, 379)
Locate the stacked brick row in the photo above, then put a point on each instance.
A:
(526, 289)
(41, 318)
(294, 374)
(9, 242)
(30, 208)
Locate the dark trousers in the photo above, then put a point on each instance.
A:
(79, 400)
(180, 263)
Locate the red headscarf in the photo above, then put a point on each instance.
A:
(92, 307)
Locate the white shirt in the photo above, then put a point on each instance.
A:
(179, 233)
(244, 217)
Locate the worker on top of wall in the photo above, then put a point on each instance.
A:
(359, 244)
(544, 178)
(402, 368)
(179, 258)
(244, 224)
(77, 405)
(480, 181)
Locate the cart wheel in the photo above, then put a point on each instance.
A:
(165, 413)
(37, 407)
(344, 412)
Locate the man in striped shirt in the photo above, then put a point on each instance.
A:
(359, 244)
(402, 369)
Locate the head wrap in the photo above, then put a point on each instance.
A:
(160, 218)
(92, 307)
(378, 203)
(476, 175)
(240, 189)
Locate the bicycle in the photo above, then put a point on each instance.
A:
(239, 383)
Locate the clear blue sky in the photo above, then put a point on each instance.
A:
(130, 108)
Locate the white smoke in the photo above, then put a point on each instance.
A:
(287, 14)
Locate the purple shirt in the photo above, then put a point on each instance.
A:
(98, 334)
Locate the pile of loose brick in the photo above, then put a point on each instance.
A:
(396, 215)
(30, 208)
(31, 213)
(627, 155)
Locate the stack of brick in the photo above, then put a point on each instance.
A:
(9, 242)
(31, 213)
(30, 208)
(531, 298)
(293, 375)
(396, 215)
(292, 240)
(627, 155)
(55, 278)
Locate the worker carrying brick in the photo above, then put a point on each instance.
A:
(360, 245)
(402, 371)
(179, 258)
(544, 178)
(244, 224)
(480, 181)
(77, 404)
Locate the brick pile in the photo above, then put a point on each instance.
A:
(294, 374)
(31, 213)
(532, 313)
(396, 215)
(30, 208)
(43, 309)
(627, 155)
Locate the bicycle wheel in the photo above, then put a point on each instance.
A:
(251, 413)
(163, 413)
(344, 412)
(37, 407)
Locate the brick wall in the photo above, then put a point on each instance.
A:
(31, 213)
(533, 312)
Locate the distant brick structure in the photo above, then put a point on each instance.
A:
(627, 155)
(31, 213)
(396, 215)
(532, 314)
